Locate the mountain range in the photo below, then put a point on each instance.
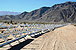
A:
(64, 12)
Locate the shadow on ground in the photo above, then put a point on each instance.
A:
(40, 34)
(21, 45)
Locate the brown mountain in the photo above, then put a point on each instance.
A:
(36, 14)
(64, 12)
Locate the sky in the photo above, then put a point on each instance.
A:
(27, 5)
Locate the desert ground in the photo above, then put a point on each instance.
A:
(63, 38)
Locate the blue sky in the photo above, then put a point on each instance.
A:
(27, 5)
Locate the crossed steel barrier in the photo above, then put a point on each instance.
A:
(31, 30)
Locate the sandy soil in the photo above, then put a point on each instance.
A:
(63, 38)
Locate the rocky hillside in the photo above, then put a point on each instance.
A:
(64, 12)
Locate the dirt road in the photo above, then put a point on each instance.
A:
(63, 38)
